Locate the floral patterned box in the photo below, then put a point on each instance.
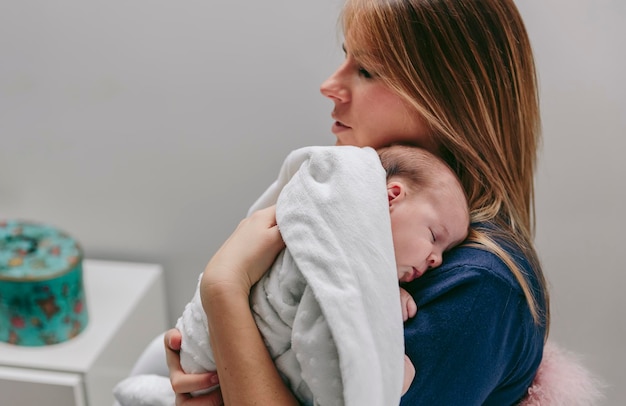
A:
(42, 300)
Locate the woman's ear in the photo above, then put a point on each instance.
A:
(395, 192)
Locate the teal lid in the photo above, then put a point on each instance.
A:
(31, 251)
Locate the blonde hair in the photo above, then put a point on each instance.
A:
(466, 67)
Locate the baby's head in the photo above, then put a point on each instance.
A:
(428, 208)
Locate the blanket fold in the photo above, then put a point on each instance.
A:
(334, 218)
(329, 308)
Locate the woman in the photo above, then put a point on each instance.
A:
(456, 77)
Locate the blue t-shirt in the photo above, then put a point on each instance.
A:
(473, 341)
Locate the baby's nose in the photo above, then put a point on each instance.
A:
(434, 261)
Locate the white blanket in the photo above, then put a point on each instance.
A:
(329, 309)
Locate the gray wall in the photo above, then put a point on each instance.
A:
(146, 128)
(581, 191)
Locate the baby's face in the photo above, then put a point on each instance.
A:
(423, 228)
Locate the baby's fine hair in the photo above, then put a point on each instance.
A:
(422, 170)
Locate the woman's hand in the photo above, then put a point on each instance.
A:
(183, 383)
(246, 255)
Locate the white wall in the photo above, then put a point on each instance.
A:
(146, 128)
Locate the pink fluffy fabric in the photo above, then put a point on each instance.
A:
(562, 380)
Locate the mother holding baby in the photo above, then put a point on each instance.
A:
(456, 77)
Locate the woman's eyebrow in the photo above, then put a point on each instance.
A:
(353, 54)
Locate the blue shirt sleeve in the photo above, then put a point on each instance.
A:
(473, 341)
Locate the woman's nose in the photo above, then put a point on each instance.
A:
(335, 87)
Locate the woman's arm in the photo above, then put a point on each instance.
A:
(246, 370)
(247, 374)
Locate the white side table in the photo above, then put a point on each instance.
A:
(126, 306)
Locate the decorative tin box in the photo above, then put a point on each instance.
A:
(42, 300)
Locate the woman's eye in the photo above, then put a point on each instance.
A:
(363, 72)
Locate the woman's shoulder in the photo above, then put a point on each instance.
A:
(467, 263)
(472, 274)
(473, 316)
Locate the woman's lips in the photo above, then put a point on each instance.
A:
(338, 127)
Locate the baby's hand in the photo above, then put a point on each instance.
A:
(409, 307)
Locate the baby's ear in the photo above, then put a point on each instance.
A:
(395, 191)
